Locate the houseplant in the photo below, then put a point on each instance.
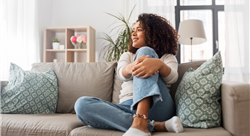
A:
(56, 43)
(113, 49)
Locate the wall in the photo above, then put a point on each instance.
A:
(79, 13)
(44, 20)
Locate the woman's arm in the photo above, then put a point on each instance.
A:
(164, 70)
(167, 66)
(145, 67)
(125, 59)
(125, 65)
(127, 70)
(171, 61)
(150, 66)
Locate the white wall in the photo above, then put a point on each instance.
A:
(44, 20)
(79, 13)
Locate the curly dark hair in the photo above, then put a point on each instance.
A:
(159, 34)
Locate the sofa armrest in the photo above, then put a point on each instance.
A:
(236, 107)
(3, 83)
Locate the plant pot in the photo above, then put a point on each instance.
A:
(56, 45)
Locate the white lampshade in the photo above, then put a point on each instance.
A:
(192, 29)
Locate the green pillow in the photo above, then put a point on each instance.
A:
(198, 94)
(29, 92)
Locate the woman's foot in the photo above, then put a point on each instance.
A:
(138, 128)
(174, 125)
(135, 132)
(141, 124)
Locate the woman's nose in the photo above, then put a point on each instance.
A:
(134, 33)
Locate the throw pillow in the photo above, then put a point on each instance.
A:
(198, 94)
(29, 92)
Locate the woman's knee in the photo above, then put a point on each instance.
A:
(146, 51)
(83, 104)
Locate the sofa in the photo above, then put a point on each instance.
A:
(99, 79)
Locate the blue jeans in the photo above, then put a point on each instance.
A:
(106, 115)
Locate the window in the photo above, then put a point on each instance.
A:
(211, 13)
(195, 2)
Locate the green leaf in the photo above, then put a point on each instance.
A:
(131, 12)
(116, 28)
(113, 49)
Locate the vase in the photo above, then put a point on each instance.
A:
(75, 46)
(55, 45)
(80, 46)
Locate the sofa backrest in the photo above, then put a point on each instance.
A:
(116, 88)
(80, 79)
(2, 84)
(97, 79)
(182, 68)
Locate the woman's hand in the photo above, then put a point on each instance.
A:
(146, 67)
(127, 70)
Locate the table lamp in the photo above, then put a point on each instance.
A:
(191, 33)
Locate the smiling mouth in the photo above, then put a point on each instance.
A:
(135, 39)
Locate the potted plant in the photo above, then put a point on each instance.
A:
(56, 44)
(112, 50)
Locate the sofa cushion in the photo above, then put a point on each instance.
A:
(90, 131)
(29, 92)
(80, 79)
(38, 124)
(182, 68)
(198, 94)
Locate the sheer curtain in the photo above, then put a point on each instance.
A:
(237, 41)
(18, 35)
(165, 8)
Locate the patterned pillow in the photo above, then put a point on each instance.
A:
(198, 94)
(29, 92)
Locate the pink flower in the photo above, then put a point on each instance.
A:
(85, 39)
(80, 38)
(73, 39)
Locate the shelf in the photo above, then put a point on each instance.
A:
(76, 49)
(63, 50)
(69, 54)
(52, 50)
(56, 30)
(78, 29)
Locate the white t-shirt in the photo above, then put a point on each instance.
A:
(127, 85)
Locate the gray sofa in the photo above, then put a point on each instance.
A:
(100, 80)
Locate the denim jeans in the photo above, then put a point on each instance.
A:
(106, 115)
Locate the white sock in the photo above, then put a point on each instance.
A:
(135, 132)
(174, 125)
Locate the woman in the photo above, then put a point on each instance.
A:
(145, 102)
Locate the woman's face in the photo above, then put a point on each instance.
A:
(138, 36)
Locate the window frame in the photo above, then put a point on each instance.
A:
(215, 31)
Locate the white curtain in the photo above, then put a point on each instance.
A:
(165, 8)
(18, 35)
(237, 41)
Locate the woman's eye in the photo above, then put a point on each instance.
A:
(139, 29)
